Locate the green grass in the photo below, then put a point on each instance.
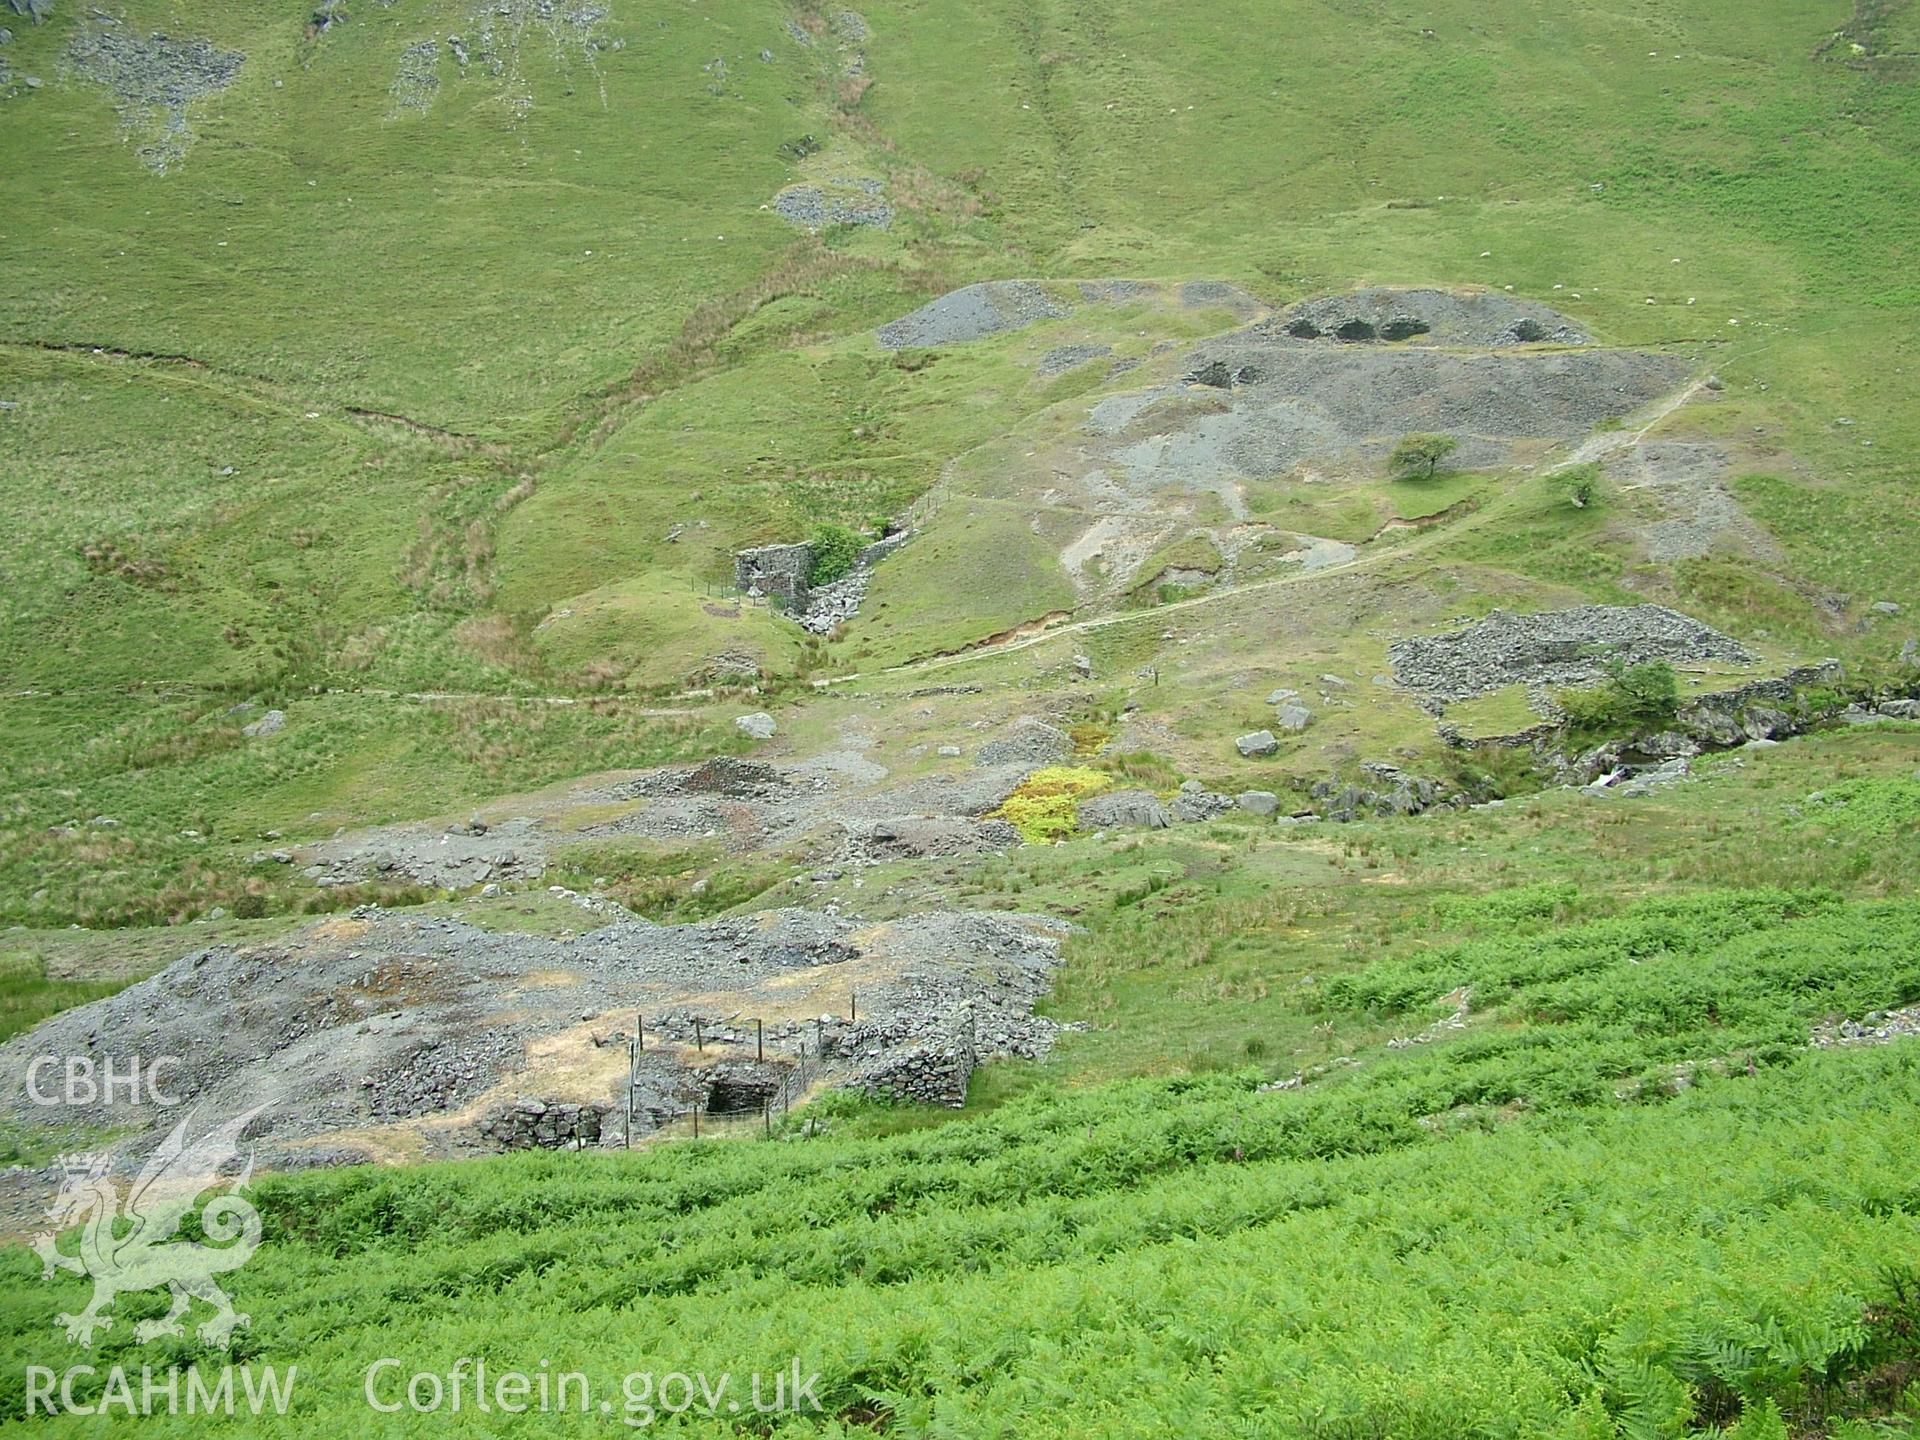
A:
(28, 995)
(1424, 499)
(499, 313)
(1863, 809)
(1383, 1246)
(191, 799)
(665, 885)
(480, 400)
(726, 391)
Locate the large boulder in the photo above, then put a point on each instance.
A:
(1259, 743)
(1667, 745)
(1763, 722)
(1293, 718)
(1124, 809)
(757, 726)
(1258, 802)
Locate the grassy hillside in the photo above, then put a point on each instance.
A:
(526, 257)
(414, 368)
(1609, 1192)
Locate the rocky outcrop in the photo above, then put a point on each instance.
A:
(1770, 709)
(1392, 792)
(1759, 710)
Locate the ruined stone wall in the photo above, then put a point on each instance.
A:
(776, 570)
(931, 1074)
(1721, 718)
(536, 1125)
(880, 549)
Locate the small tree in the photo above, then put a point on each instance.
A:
(1633, 697)
(835, 548)
(1420, 455)
(1649, 693)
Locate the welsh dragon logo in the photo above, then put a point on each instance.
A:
(128, 1243)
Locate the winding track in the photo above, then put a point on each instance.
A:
(1593, 448)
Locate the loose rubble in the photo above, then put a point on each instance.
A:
(918, 837)
(1026, 741)
(781, 572)
(835, 799)
(469, 1037)
(1553, 647)
(970, 313)
(1877, 1028)
(447, 858)
(417, 81)
(1063, 358)
(153, 81)
(1195, 803)
(855, 202)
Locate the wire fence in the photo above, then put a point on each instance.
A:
(926, 507)
(759, 1106)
